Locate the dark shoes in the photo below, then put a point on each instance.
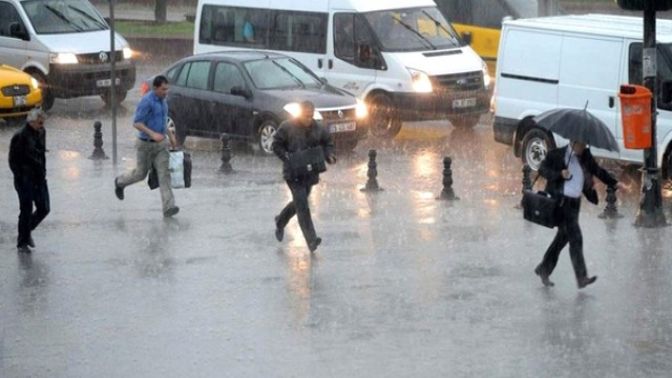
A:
(544, 277)
(314, 244)
(585, 281)
(170, 212)
(279, 232)
(23, 248)
(118, 190)
(31, 243)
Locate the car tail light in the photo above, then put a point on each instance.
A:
(144, 88)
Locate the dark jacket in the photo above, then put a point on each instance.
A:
(27, 158)
(292, 137)
(551, 169)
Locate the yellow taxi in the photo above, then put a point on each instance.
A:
(19, 93)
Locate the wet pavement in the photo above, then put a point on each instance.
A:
(402, 285)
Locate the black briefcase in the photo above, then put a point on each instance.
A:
(540, 208)
(306, 162)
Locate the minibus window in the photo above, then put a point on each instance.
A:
(63, 16)
(232, 26)
(299, 31)
(414, 29)
(351, 33)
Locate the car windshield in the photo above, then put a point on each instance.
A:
(280, 73)
(63, 16)
(414, 29)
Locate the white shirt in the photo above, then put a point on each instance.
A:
(574, 186)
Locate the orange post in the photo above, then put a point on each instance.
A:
(636, 116)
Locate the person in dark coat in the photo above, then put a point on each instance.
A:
(28, 163)
(569, 173)
(296, 135)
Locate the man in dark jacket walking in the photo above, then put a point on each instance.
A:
(28, 163)
(569, 173)
(292, 136)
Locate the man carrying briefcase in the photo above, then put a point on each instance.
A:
(303, 146)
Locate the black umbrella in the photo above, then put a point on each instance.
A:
(578, 125)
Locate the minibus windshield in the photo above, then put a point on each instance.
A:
(414, 29)
(280, 74)
(63, 16)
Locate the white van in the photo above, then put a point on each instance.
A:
(566, 61)
(402, 57)
(65, 45)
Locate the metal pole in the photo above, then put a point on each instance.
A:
(113, 77)
(651, 206)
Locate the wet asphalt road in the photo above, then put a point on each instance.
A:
(403, 285)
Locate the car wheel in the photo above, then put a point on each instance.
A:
(119, 97)
(265, 134)
(465, 122)
(384, 119)
(536, 144)
(47, 96)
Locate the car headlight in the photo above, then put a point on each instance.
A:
(294, 110)
(421, 81)
(361, 111)
(486, 76)
(63, 58)
(35, 83)
(128, 53)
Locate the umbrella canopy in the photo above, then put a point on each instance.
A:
(578, 125)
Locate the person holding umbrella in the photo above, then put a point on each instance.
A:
(569, 172)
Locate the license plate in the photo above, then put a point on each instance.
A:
(342, 127)
(464, 103)
(106, 82)
(19, 101)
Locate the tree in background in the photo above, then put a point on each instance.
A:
(160, 10)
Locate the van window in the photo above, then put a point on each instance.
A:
(8, 17)
(350, 33)
(194, 75)
(664, 60)
(234, 26)
(416, 29)
(227, 76)
(63, 16)
(299, 31)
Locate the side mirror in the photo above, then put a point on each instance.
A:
(466, 37)
(666, 92)
(17, 30)
(240, 91)
(364, 53)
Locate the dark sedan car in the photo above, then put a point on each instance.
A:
(247, 94)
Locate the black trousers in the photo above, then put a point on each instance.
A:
(299, 207)
(31, 193)
(568, 232)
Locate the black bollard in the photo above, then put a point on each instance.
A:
(611, 211)
(98, 153)
(448, 194)
(226, 154)
(372, 183)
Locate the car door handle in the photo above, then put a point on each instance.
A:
(611, 101)
(320, 63)
(331, 64)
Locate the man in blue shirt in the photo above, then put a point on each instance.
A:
(152, 144)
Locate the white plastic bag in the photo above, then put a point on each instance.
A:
(176, 168)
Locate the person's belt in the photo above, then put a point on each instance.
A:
(147, 140)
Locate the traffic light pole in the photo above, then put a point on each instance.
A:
(113, 89)
(650, 212)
